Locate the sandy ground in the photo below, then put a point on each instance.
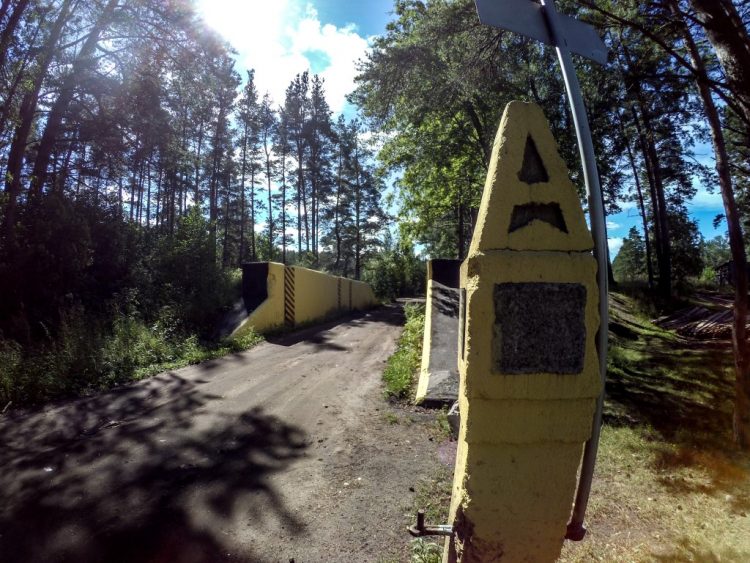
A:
(283, 453)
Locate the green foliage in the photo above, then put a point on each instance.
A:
(716, 251)
(396, 272)
(686, 243)
(245, 341)
(630, 262)
(92, 302)
(11, 355)
(85, 356)
(442, 426)
(708, 277)
(437, 81)
(403, 364)
(425, 552)
(188, 276)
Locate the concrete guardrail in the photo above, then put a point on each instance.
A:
(278, 296)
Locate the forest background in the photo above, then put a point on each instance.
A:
(141, 168)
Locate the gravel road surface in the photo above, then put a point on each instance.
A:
(286, 452)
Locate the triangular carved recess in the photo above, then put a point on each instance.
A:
(532, 170)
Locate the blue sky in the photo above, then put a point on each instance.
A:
(280, 38)
(704, 207)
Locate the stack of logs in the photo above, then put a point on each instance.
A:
(699, 322)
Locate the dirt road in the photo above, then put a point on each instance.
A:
(284, 452)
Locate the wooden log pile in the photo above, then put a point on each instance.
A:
(699, 322)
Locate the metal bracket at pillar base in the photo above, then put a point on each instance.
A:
(419, 529)
(575, 531)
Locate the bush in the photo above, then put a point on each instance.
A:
(11, 355)
(90, 300)
(396, 273)
(403, 365)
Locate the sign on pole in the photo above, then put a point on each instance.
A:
(526, 17)
(542, 22)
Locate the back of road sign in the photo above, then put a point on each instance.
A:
(525, 17)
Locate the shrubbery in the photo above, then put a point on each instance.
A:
(402, 366)
(91, 301)
(396, 272)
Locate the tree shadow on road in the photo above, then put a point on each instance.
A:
(141, 474)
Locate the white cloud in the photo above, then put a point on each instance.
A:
(280, 38)
(627, 205)
(705, 200)
(612, 226)
(615, 244)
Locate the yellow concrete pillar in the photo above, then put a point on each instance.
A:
(527, 358)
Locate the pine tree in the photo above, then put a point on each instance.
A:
(296, 111)
(249, 166)
(267, 130)
(630, 263)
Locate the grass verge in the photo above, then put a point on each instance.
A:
(669, 483)
(83, 360)
(433, 495)
(402, 366)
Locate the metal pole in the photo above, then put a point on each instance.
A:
(576, 530)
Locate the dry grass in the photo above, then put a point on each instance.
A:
(669, 484)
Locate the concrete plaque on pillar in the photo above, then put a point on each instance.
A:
(529, 366)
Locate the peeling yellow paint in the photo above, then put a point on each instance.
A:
(503, 190)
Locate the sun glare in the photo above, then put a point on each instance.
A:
(246, 22)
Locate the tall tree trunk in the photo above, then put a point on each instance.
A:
(283, 205)
(159, 178)
(658, 214)
(306, 220)
(4, 7)
(357, 216)
(243, 170)
(119, 196)
(213, 204)
(67, 90)
(225, 243)
(26, 119)
(641, 206)
(314, 213)
(173, 178)
(253, 253)
(741, 422)
(300, 190)
(19, 76)
(659, 204)
(270, 205)
(148, 192)
(665, 264)
(731, 41)
(336, 216)
(197, 195)
(610, 273)
(10, 28)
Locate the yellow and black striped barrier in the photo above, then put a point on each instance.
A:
(289, 296)
(279, 296)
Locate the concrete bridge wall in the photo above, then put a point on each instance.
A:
(278, 296)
